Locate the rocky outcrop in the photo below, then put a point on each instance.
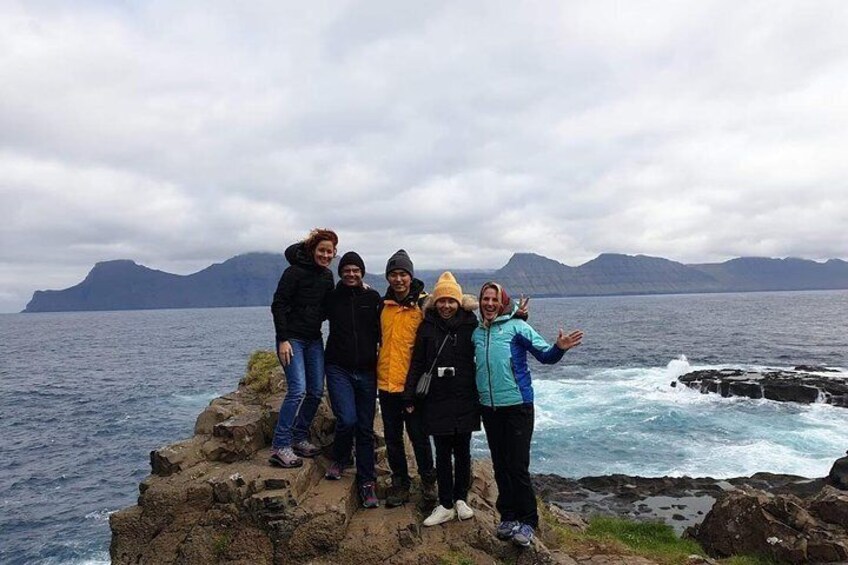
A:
(784, 527)
(838, 476)
(780, 385)
(214, 499)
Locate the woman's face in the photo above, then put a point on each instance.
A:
(447, 307)
(324, 253)
(490, 304)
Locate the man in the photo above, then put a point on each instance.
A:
(351, 362)
(399, 320)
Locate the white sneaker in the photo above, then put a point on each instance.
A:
(440, 515)
(463, 511)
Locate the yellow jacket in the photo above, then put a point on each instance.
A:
(398, 325)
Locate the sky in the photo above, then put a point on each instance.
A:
(179, 134)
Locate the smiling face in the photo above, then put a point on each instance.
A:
(490, 304)
(324, 253)
(400, 281)
(351, 275)
(447, 307)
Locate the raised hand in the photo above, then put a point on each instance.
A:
(567, 341)
(523, 308)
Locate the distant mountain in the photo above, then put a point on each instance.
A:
(250, 280)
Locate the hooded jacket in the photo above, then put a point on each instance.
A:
(451, 404)
(354, 315)
(399, 321)
(503, 376)
(300, 302)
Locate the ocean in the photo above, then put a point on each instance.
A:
(84, 398)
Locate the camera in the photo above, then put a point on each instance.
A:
(445, 372)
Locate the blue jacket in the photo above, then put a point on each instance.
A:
(503, 376)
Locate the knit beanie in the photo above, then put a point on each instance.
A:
(447, 287)
(400, 260)
(351, 258)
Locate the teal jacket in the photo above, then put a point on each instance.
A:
(503, 376)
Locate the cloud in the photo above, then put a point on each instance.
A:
(181, 134)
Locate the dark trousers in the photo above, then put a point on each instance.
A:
(509, 430)
(353, 396)
(453, 467)
(395, 416)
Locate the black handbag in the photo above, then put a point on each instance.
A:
(423, 386)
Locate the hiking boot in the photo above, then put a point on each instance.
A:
(305, 449)
(507, 529)
(368, 495)
(398, 495)
(428, 488)
(334, 471)
(284, 457)
(523, 536)
(440, 515)
(463, 511)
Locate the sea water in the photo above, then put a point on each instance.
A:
(84, 398)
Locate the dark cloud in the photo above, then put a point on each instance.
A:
(181, 134)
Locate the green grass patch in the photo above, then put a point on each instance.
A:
(220, 545)
(653, 540)
(455, 558)
(260, 370)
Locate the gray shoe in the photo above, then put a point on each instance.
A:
(398, 495)
(305, 449)
(524, 535)
(284, 457)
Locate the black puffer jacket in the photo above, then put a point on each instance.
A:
(354, 315)
(300, 302)
(452, 403)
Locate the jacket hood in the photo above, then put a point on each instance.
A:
(296, 255)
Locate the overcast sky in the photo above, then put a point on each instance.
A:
(179, 134)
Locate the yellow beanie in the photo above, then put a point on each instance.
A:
(447, 287)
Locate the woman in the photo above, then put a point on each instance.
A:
(299, 308)
(443, 344)
(501, 343)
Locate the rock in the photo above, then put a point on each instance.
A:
(781, 386)
(831, 506)
(838, 476)
(755, 522)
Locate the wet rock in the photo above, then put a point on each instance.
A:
(781, 386)
(838, 476)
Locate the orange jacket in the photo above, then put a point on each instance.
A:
(399, 324)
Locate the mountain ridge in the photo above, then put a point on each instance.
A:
(250, 279)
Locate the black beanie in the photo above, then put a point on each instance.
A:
(351, 258)
(400, 260)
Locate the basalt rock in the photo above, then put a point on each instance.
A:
(784, 527)
(802, 385)
(215, 499)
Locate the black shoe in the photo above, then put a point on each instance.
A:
(398, 495)
(428, 488)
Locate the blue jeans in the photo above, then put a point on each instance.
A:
(353, 395)
(305, 386)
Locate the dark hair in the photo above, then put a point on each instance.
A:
(318, 235)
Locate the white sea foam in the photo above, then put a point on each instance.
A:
(100, 515)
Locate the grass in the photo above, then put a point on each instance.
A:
(220, 545)
(618, 536)
(455, 558)
(260, 370)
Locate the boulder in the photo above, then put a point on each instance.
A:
(838, 476)
(778, 526)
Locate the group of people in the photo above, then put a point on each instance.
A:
(383, 347)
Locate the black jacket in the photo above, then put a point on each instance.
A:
(300, 302)
(354, 315)
(451, 406)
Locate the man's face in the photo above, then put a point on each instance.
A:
(351, 275)
(400, 281)
(490, 304)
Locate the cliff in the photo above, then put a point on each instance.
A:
(250, 280)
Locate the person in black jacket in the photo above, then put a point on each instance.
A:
(443, 345)
(351, 364)
(299, 309)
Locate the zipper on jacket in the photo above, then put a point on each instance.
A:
(489, 369)
(353, 324)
